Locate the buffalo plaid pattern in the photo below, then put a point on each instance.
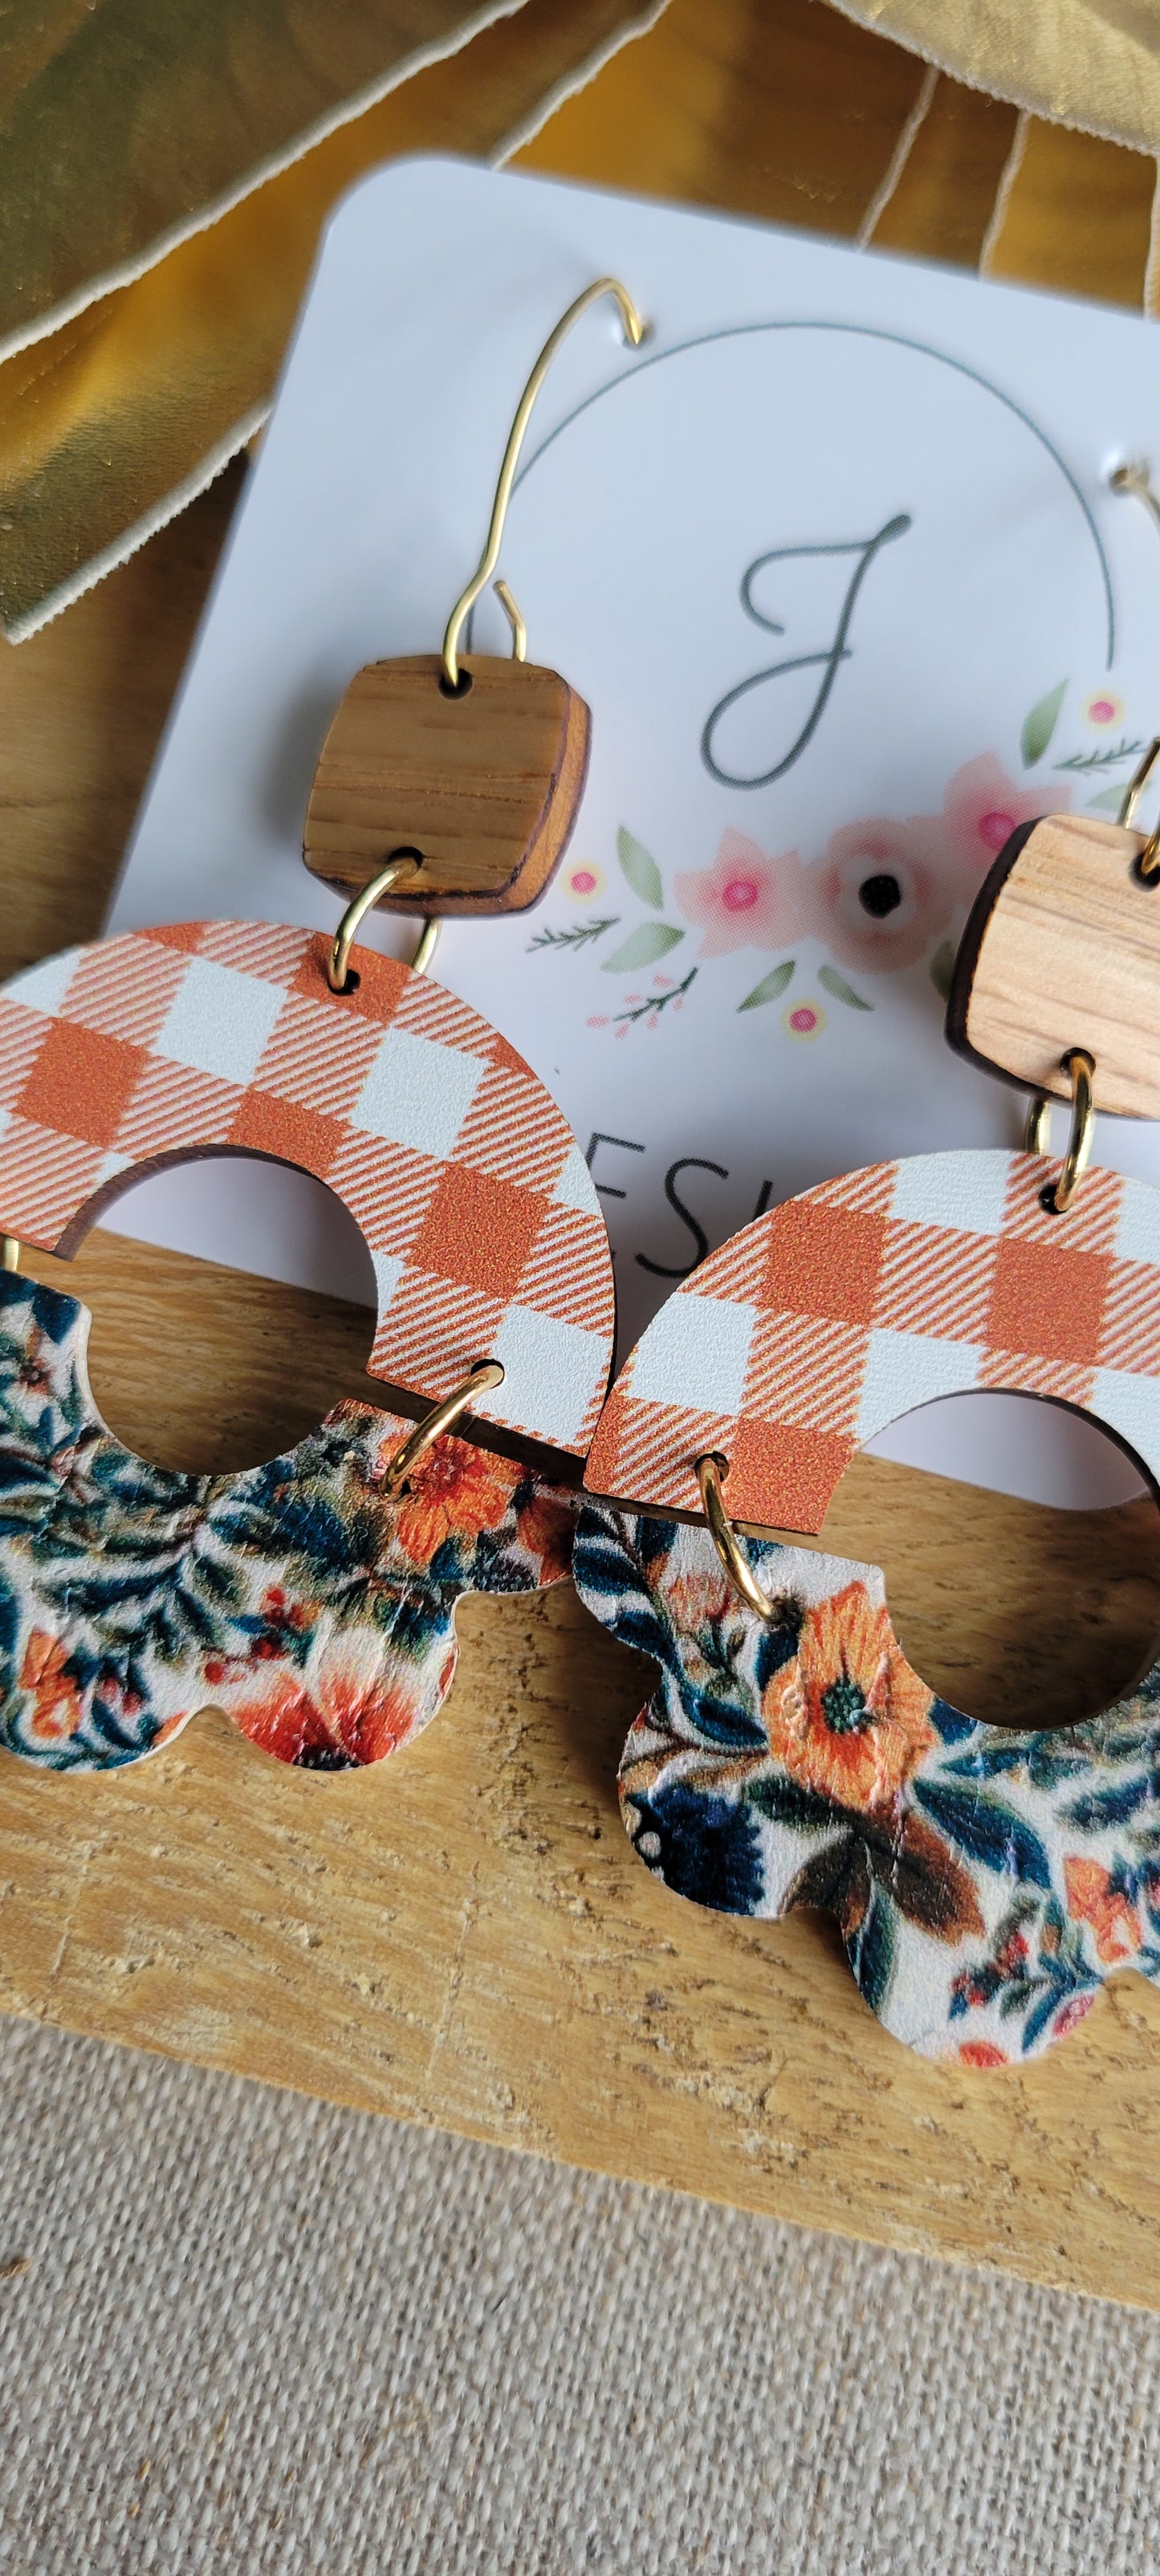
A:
(224, 1037)
(827, 1318)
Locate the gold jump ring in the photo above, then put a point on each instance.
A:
(1058, 1195)
(338, 962)
(1037, 1132)
(440, 1419)
(725, 1539)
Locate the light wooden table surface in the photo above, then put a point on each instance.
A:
(462, 1936)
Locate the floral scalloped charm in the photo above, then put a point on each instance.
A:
(317, 1613)
(986, 1882)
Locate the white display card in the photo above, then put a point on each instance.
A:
(835, 562)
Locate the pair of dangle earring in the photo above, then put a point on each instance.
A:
(313, 1598)
(985, 1881)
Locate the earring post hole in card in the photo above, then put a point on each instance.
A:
(834, 559)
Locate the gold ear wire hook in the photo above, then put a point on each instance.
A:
(634, 330)
(515, 621)
(1135, 479)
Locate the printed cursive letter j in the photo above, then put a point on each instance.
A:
(827, 662)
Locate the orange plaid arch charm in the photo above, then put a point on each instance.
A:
(224, 1037)
(827, 1318)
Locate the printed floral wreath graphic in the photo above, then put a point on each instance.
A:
(986, 1882)
(883, 895)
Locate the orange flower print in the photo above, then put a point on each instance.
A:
(847, 1716)
(981, 2052)
(459, 1490)
(697, 1599)
(56, 1695)
(545, 1527)
(745, 900)
(1093, 1898)
(334, 1719)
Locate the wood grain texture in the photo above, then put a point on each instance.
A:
(463, 1937)
(1063, 950)
(485, 785)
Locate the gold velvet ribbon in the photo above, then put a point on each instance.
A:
(125, 125)
(111, 421)
(1092, 64)
(785, 109)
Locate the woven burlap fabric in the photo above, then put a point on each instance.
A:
(242, 2331)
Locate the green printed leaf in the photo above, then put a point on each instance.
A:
(770, 986)
(1039, 726)
(986, 1831)
(641, 870)
(581, 936)
(1111, 755)
(942, 967)
(642, 948)
(785, 1802)
(1108, 803)
(841, 990)
(871, 1950)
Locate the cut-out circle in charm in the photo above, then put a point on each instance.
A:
(298, 1597)
(463, 1175)
(986, 1880)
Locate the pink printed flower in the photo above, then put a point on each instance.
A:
(745, 900)
(804, 1020)
(880, 895)
(584, 881)
(981, 809)
(1075, 2010)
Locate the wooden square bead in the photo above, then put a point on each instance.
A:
(1062, 949)
(485, 783)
